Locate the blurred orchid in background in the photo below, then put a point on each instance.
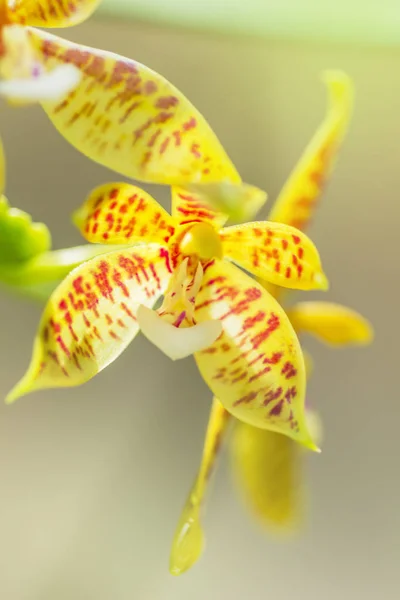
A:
(268, 466)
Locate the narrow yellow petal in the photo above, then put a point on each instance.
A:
(188, 540)
(269, 473)
(120, 213)
(333, 324)
(298, 199)
(91, 317)
(275, 252)
(256, 366)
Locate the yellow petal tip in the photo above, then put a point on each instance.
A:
(321, 281)
(188, 544)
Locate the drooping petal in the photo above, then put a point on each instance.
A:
(176, 342)
(24, 79)
(120, 213)
(256, 366)
(298, 198)
(331, 323)
(49, 13)
(130, 119)
(91, 317)
(269, 473)
(216, 202)
(188, 540)
(275, 252)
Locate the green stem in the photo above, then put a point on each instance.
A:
(37, 277)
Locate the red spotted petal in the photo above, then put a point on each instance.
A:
(130, 119)
(276, 253)
(120, 213)
(48, 13)
(256, 366)
(91, 317)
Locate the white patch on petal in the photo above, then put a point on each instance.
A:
(47, 87)
(176, 342)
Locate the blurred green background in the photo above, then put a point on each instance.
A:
(93, 480)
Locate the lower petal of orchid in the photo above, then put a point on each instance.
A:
(188, 541)
(175, 341)
(268, 470)
(91, 317)
(256, 366)
(333, 324)
(275, 252)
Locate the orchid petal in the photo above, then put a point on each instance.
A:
(91, 317)
(188, 540)
(132, 120)
(216, 202)
(256, 366)
(118, 213)
(49, 13)
(298, 198)
(177, 342)
(333, 324)
(278, 253)
(268, 470)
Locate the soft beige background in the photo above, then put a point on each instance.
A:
(92, 480)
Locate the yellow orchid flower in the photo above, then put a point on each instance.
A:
(244, 344)
(267, 465)
(21, 66)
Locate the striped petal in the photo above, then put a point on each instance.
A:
(216, 202)
(120, 213)
(333, 324)
(269, 473)
(91, 317)
(130, 119)
(275, 252)
(188, 540)
(256, 366)
(49, 13)
(298, 199)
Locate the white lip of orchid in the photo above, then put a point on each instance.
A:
(163, 327)
(176, 342)
(46, 87)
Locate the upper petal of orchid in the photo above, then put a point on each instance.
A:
(331, 323)
(275, 252)
(130, 119)
(49, 13)
(120, 213)
(216, 202)
(189, 537)
(91, 317)
(256, 366)
(299, 196)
